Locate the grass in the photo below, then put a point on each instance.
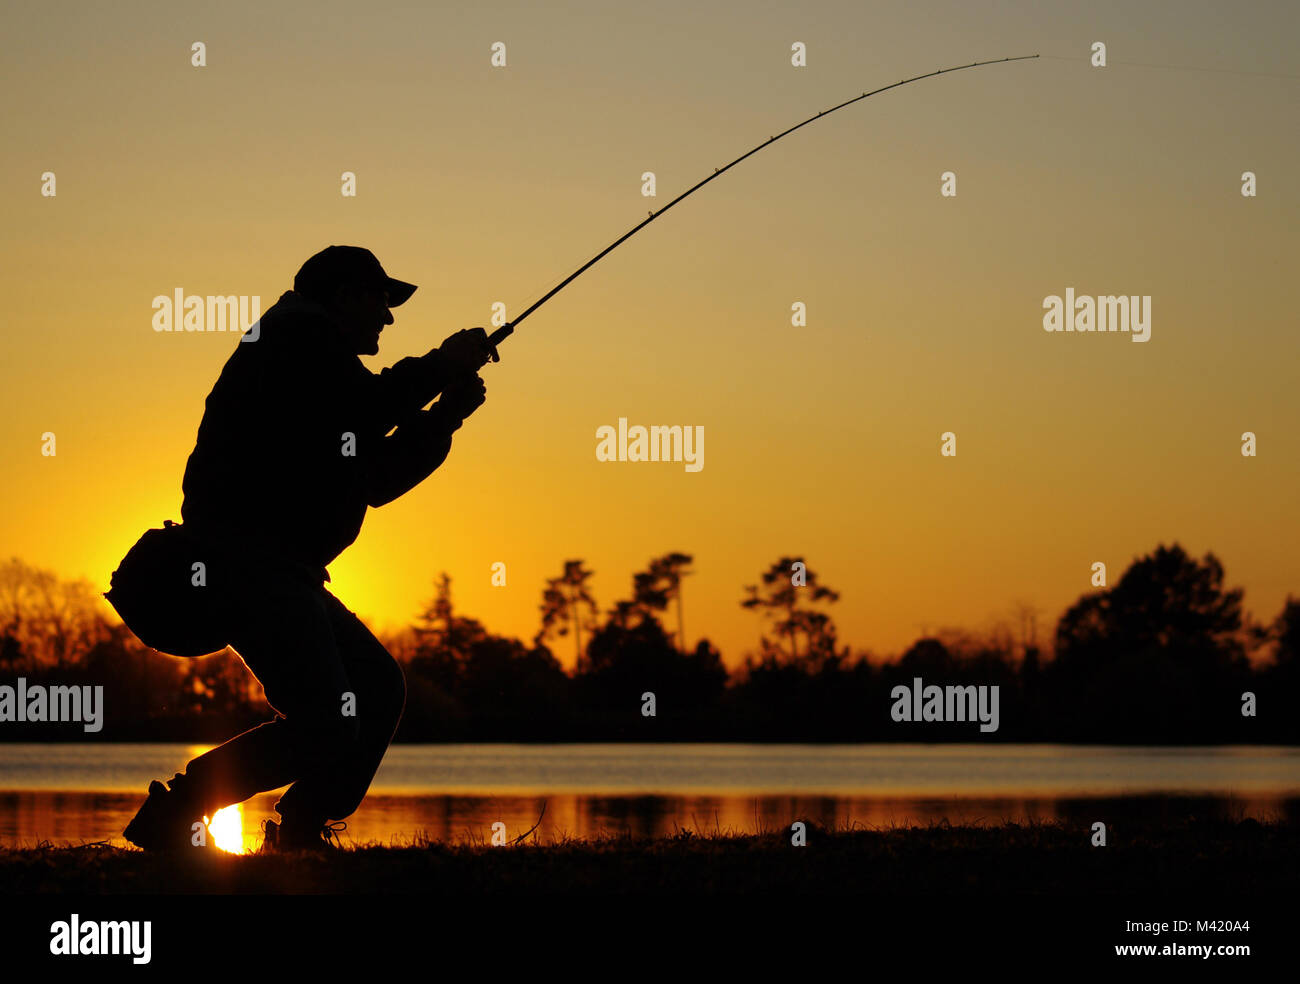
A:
(1204, 856)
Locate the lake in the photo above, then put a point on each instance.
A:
(72, 793)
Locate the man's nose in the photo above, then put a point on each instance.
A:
(388, 316)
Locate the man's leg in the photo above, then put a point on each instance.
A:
(286, 637)
(378, 696)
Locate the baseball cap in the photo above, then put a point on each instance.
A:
(335, 265)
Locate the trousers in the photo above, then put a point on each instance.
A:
(338, 696)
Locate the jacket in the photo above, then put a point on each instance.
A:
(294, 444)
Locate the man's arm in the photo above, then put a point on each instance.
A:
(411, 453)
(395, 393)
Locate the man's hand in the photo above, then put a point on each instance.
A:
(464, 395)
(467, 351)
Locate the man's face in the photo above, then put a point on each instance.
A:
(363, 312)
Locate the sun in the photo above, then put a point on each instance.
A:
(226, 828)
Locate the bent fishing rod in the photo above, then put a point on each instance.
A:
(506, 330)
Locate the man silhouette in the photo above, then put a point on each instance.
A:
(293, 448)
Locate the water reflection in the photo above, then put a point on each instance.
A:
(28, 817)
(73, 793)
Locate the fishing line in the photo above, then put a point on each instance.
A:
(506, 330)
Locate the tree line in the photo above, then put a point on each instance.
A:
(1167, 655)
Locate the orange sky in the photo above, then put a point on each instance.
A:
(483, 185)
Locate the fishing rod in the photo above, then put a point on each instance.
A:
(506, 330)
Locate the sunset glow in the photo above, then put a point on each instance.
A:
(226, 829)
(924, 314)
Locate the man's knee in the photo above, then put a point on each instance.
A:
(377, 675)
(373, 702)
(319, 739)
(381, 693)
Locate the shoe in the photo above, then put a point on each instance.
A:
(165, 822)
(282, 838)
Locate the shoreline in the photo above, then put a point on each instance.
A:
(1204, 856)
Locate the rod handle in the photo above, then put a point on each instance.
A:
(500, 335)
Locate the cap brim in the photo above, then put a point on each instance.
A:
(399, 292)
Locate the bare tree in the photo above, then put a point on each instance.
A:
(51, 622)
